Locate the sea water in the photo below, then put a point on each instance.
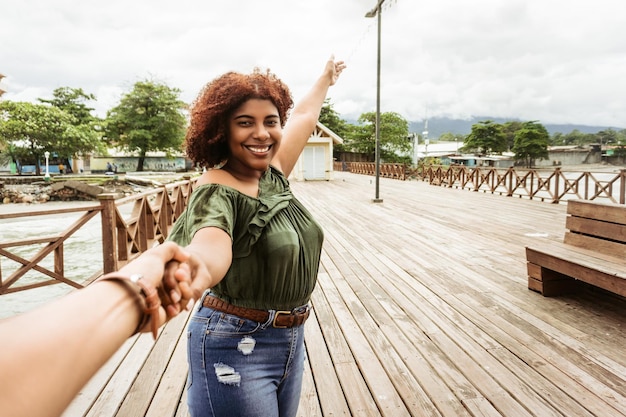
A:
(82, 253)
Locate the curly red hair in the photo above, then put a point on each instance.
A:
(206, 142)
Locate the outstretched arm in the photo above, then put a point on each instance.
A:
(304, 117)
(48, 354)
(211, 252)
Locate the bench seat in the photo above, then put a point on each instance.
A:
(593, 251)
(551, 267)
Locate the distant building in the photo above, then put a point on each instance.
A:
(557, 156)
(432, 149)
(316, 160)
(492, 161)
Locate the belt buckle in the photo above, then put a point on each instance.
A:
(278, 313)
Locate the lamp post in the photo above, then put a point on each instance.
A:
(47, 176)
(376, 11)
(416, 144)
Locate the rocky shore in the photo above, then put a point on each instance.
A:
(38, 192)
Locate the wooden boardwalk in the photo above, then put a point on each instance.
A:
(422, 309)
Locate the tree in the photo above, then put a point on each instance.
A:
(531, 142)
(149, 118)
(451, 137)
(557, 139)
(576, 137)
(28, 130)
(88, 127)
(510, 129)
(607, 137)
(72, 101)
(330, 118)
(394, 130)
(486, 137)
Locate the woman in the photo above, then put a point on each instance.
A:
(260, 246)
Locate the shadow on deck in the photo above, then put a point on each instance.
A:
(422, 309)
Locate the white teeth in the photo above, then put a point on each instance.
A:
(259, 148)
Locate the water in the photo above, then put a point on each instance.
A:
(82, 254)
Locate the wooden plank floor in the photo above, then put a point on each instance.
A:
(422, 309)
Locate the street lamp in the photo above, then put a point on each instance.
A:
(47, 176)
(376, 11)
(416, 143)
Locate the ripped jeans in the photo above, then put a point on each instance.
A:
(239, 367)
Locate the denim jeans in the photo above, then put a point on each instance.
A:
(239, 367)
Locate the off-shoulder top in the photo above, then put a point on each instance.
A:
(276, 242)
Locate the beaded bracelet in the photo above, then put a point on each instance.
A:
(147, 295)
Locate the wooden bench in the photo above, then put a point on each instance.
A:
(593, 251)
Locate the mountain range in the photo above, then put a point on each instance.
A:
(439, 125)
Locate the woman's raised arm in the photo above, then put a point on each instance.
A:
(304, 117)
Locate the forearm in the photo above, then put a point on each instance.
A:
(211, 256)
(214, 264)
(304, 118)
(308, 108)
(81, 331)
(300, 125)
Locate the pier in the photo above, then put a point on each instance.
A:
(422, 309)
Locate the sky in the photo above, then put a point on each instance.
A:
(554, 61)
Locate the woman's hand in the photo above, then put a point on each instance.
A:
(164, 266)
(202, 278)
(184, 281)
(334, 69)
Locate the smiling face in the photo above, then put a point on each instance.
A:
(255, 134)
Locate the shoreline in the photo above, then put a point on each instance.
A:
(20, 208)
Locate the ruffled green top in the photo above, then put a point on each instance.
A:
(276, 242)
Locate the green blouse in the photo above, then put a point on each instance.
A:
(276, 242)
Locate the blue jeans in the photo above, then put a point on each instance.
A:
(239, 367)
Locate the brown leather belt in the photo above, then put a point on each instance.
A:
(282, 319)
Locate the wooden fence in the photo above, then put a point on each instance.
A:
(154, 212)
(123, 238)
(545, 185)
(552, 186)
(394, 171)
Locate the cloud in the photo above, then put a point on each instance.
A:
(549, 60)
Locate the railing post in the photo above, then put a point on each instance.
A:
(508, 181)
(59, 267)
(622, 186)
(476, 175)
(109, 242)
(165, 211)
(557, 178)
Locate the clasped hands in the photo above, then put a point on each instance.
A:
(179, 278)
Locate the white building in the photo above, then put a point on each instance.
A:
(316, 160)
(438, 149)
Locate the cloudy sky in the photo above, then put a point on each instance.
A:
(556, 61)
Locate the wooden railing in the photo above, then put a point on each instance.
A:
(546, 185)
(151, 217)
(53, 244)
(154, 212)
(394, 171)
(553, 186)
